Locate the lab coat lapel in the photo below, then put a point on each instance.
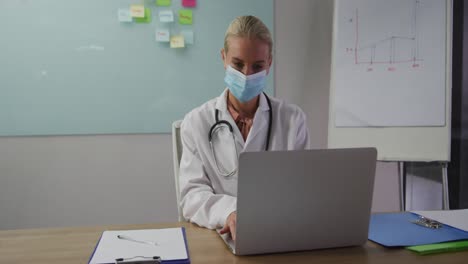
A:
(221, 105)
(256, 139)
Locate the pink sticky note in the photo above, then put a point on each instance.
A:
(189, 3)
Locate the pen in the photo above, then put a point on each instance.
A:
(142, 260)
(152, 243)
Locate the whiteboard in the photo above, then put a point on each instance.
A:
(424, 135)
(387, 53)
(71, 68)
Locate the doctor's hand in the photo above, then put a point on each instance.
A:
(230, 225)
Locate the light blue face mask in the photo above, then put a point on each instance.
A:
(243, 87)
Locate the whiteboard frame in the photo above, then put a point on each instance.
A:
(424, 144)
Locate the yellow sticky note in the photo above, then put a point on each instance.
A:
(146, 18)
(185, 17)
(137, 11)
(177, 42)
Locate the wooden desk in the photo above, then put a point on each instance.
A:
(75, 245)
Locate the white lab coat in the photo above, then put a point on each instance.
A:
(208, 198)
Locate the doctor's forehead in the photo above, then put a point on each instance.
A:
(248, 48)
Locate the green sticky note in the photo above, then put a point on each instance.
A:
(146, 19)
(163, 2)
(185, 17)
(440, 247)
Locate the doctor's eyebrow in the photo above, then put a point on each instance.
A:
(235, 59)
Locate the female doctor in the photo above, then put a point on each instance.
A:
(242, 118)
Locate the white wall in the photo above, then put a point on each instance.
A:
(86, 180)
(303, 64)
(119, 179)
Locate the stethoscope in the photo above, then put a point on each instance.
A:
(219, 124)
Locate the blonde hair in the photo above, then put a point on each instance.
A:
(250, 27)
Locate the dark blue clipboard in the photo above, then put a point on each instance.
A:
(397, 230)
(175, 261)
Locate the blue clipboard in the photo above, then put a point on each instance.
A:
(398, 230)
(175, 261)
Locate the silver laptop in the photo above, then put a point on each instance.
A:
(303, 200)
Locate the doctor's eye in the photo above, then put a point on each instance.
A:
(238, 66)
(258, 67)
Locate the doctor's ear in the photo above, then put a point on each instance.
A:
(223, 57)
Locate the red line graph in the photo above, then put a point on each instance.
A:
(391, 42)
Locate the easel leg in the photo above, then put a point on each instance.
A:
(402, 180)
(445, 191)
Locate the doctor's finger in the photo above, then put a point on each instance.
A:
(232, 226)
(225, 229)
